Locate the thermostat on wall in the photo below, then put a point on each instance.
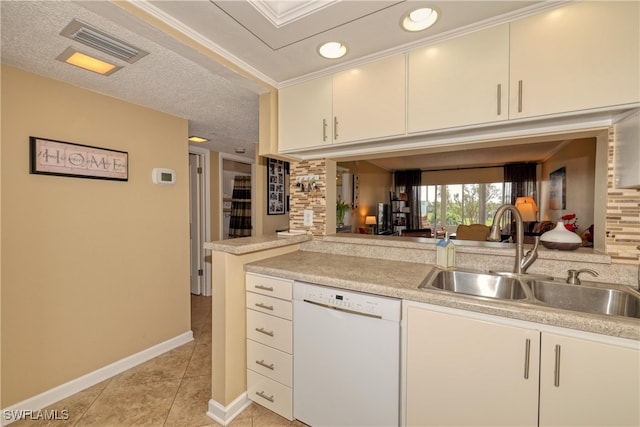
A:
(163, 176)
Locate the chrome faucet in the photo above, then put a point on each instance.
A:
(522, 261)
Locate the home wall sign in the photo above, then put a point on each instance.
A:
(51, 157)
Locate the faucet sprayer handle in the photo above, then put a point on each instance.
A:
(573, 275)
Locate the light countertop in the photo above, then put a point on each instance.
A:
(401, 280)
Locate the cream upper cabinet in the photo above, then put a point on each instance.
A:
(588, 383)
(462, 371)
(305, 118)
(369, 101)
(459, 82)
(584, 55)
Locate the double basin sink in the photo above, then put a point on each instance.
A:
(536, 290)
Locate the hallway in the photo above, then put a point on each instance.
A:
(172, 389)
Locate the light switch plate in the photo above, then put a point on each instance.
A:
(308, 218)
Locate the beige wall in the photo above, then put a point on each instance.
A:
(578, 157)
(93, 270)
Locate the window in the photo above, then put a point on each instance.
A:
(454, 204)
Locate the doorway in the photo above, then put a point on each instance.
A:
(233, 169)
(199, 220)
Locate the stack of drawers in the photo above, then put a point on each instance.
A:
(270, 343)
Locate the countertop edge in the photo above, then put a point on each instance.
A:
(245, 245)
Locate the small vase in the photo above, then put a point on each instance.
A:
(561, 238)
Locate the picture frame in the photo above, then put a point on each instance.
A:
(558, 189)
(277, 202)
(60, 158)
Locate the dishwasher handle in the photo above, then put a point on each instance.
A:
(344, 310)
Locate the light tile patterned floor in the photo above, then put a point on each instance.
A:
(170, 390)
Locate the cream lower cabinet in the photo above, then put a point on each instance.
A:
(588, 383)
(467, 372)
(583, 55)
(478, 370)
(270, 343)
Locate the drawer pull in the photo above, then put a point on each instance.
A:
(266, 307)
(519, 96)
(556, 374)
(265, 288)
(264, 396)
(264, 331)
(262, 363)
(527, 354)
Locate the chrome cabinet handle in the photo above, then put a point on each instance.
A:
(266, 307)
(519, 96)
(264, 396)
(324, 129)
(527, 354)
(335, 127)
(556, 376)
(499, 99)
(262, 363)
(265, 288)
(264, 331)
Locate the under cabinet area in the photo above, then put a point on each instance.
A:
(506, 372)
(270, 343)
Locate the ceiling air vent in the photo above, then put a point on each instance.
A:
(83, 33)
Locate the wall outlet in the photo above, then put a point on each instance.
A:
(308, 218)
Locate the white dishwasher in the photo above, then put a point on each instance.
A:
(346, 369)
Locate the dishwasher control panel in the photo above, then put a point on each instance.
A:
(351, 301)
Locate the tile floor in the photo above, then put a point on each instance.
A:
(172, 389)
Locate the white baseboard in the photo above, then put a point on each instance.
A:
(224, 415)
(65, 390)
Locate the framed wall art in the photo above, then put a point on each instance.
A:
(51, 157)
(276, 187)
(558, 189)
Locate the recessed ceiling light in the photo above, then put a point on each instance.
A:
(197, 139)
(74, 57)
(332, 50)
(419, 19)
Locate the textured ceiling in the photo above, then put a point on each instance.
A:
(272, 42)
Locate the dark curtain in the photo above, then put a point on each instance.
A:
(520, 181)
(240, 222)
(410, 182)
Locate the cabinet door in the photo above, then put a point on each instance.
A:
(584, 55)
(463, 81)
(305, 116)
(369, 101)
(588, 383)
(462, 371)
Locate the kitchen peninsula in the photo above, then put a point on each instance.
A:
(394, 267)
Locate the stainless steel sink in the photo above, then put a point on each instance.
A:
(586, 299)
(534, 289)
(477, 284)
